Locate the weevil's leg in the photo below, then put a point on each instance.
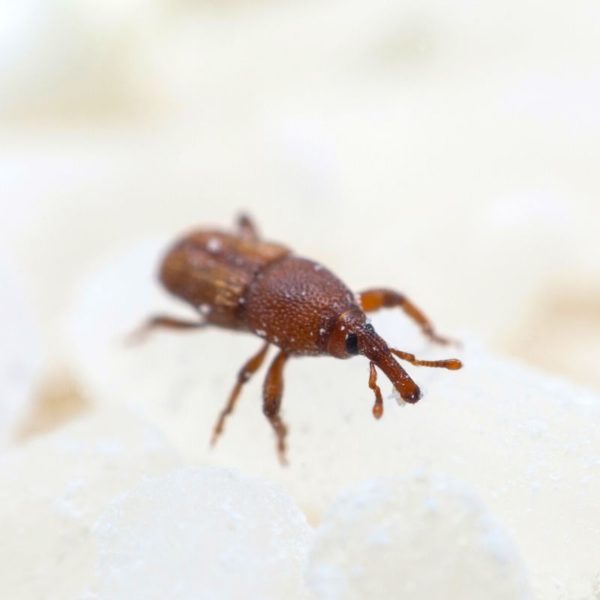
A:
(450, 363)
(246, 228)
(378, 406)
(244, 374)
(272, 393)
(162, 322)
(375, 299)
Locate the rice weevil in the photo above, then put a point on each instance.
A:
(239, 281)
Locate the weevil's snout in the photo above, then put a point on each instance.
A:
(375, 348)
(409, 391)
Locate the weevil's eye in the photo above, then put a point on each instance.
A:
(351, 343)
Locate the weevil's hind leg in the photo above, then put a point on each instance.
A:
(162, 322)
(378, 298)
(244, 374)
(246, 228)
(272, 393)
(450, 363)
(378, 406)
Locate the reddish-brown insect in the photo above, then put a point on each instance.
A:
(238, 281)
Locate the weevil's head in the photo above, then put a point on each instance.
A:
(352, 334)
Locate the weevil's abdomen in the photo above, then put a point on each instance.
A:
(294, 303)
(211, 270)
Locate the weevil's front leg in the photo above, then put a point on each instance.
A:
(375, 299)
(162, 322)
(249, 368)
(272, 393)
(378, 406)
(246, 228)
(450, 363)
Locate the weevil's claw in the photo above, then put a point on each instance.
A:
(281, 446)
(218, 430)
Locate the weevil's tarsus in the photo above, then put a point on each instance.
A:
(272, 394)
(378, 298)
(244, 374)
(162, 322)
(378, 405)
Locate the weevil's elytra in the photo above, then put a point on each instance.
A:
(238, 281)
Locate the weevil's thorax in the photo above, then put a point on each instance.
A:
(295, 303)
(211, 270)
